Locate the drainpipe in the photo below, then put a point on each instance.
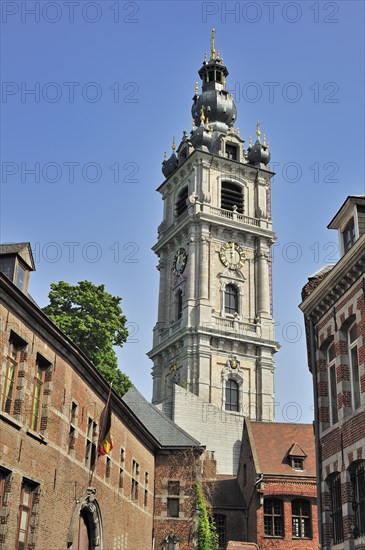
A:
(316, 430)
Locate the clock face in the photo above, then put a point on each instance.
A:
(232, 255)
(180, 261)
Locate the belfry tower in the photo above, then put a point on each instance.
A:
(214, 334)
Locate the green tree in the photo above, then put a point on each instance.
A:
(93, 319)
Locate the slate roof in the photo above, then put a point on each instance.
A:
(272, 441)
(23, 249)
(167, 433)
(226, 492)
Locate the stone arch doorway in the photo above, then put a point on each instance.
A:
(86, 529)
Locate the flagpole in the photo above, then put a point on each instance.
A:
(101, 428)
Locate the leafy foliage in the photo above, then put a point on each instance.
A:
(93, 319)
(207, 534)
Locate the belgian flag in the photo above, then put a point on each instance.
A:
(105, 443)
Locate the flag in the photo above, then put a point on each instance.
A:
(105, 443)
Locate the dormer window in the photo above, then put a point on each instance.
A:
(296, 457)
(349, 235)
(231, 151)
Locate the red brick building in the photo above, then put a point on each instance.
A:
(334, 311)
(277, 477)
(51, 399)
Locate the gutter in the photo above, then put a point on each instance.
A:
(316, 432)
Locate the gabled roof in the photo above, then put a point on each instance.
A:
(23, 249)
(296, 451)
(271, 441)
(167, 433)
(345, 210)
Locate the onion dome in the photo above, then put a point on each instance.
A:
(259, 153)
(215, 98)
(169, 166)
(201, 137)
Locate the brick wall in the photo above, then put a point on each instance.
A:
(58, 472)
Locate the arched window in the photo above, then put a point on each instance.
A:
(273, 517)
(231, 195)
(354, 366)
(334, 485)
(332, 384)
(231, 299)
(232, 401)
(179, 304)
(181, 205)
(357, 477)
(301, 519)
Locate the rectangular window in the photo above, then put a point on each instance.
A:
(38, 392)
(354, 367)
(173, 507)
(349, 235)
(91, 438)
(25, 510)
(173, 504)
(121, 469)
(108, 465)
(231, 151)
(358, 497)
(301, 520)
(336, 509)
(333, 394)
(273, 517)
(20, 276)
(146, 489)
(135, 480)
(11, 376)
(220, 525)
(73, 421)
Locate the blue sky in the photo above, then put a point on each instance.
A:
(113, 83)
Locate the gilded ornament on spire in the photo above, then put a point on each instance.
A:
(164, 155)
(258, 130)
(212, 41)
(202, 116)
(206, 121)
(193, 122)
(173, 146)
(264, 138)
(196, 88)
(205, 56)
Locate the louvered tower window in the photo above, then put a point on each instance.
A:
(181, 205)
(231, 195)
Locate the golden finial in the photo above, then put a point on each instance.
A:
(202, 116)
(206, 121)
(250, 141)
(205, 56)
(164, 155)
(258, 130)
(212, 50)
(264, 138)
(196, 88)
(173, 146)
(193, 122)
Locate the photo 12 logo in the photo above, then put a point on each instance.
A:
(69, 12)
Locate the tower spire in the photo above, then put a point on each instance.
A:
(212, 42)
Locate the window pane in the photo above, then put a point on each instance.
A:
(173, 507)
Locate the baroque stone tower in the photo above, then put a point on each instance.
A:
(214, 335)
